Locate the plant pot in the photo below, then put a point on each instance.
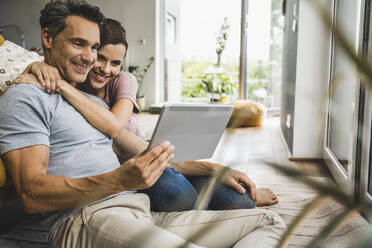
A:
(212, 98)
(141, 102)
(223, 99)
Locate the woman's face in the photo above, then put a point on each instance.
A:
(107, 66)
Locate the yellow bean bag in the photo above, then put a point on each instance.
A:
(247, 113)
(2, 174)
(2, 40)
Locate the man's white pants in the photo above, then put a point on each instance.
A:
(126, 221)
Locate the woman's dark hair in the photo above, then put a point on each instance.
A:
(54, 14)
(112, 32)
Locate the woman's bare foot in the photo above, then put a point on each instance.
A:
(265, 197)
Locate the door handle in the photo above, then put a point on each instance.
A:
(294, 26)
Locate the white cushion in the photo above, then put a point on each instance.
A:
(13, 61)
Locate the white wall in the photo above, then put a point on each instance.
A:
(313, 67)
(139, 19)
(25, 14)
(172, 54)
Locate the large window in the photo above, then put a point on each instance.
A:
(264, 51)
(209, 25)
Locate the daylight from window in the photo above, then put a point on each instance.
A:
(210, 50)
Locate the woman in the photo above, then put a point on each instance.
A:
(172, 192)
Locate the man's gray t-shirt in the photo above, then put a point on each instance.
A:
(29, 116)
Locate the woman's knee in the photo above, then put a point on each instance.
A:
(227, 198)
(172, 192)
(224, 197)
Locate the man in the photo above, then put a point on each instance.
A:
(66, 172)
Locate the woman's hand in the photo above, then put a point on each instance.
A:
(48, 76)
(27, 78)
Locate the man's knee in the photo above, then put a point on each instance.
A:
(272, 218)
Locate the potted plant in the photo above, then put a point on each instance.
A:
(218, 85)
(140, 74)
(222, 40)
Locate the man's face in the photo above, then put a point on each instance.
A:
(74, 50)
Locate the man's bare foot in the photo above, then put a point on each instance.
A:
(265, 197)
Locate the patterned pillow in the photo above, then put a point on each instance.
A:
(14, 59)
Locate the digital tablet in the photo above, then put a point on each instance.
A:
(194, 129)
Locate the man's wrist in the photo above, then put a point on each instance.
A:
(209, 168)
(117, 181)
(215, 168)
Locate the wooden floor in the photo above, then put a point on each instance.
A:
(247, 148)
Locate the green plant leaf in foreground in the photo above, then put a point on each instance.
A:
(202, 201)
(335, 83)
(332, 226)
(365, 240)
(308, 209)
(207, 190)
(323, 188)
(206, 193)
(361, 64)
(326, 190)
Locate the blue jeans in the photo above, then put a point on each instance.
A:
(174, 192)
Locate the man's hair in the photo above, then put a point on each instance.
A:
(54, 14)
(112, 32)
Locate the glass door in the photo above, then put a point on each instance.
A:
(366, 152)
(366, 168)
(340, 145)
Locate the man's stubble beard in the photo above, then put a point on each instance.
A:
(63, 70)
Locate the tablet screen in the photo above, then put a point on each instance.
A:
(194, 130)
